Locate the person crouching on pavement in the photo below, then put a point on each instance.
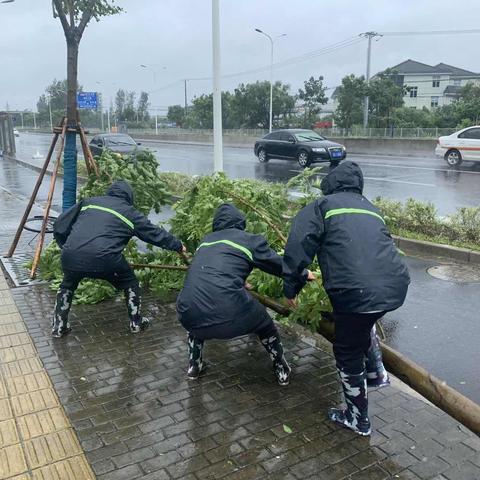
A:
(92, 235)
(363, 274)
(214, 303)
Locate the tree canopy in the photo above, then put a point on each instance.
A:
(350, 96)
(313, 96)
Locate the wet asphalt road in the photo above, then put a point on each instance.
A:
(399, 178)
(438, 325)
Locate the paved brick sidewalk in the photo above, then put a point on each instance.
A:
(138, 417)
(36, 438)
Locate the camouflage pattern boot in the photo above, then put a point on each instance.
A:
(281, 369)
(355, 416)
(377, 375)
(60, 323)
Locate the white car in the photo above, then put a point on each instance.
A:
(459, 146)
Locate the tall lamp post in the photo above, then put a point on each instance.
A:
(217, 90)
(272, 41)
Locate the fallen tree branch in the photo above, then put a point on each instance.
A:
(158, 267)
(261, 214)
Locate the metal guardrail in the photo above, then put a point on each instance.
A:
(387, 132)
(354, 132)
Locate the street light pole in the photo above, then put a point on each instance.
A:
(271, 72)
(217, 90)
(50, 111)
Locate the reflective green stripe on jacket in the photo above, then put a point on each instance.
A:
(246, 251)
(343, 211)
(113, 212)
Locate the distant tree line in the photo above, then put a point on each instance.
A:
(248, 106)
(126, 108)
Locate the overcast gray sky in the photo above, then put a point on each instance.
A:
(174, 38)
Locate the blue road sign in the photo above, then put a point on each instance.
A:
(87, 100)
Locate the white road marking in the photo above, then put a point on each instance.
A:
(379, 179)
(399, 181)
(419, 168)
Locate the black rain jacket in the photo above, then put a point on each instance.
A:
(214, 292)
(93, 233)
(361, 267)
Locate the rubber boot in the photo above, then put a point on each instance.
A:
(355, 416)
(377, 375)
(196, 366)
(273, 345)
(134, 301)
(60, 323)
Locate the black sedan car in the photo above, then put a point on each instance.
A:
(115, 142)
(306, 146)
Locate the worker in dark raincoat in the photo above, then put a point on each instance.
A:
(363, 274)
(214, 303)
(92, 235)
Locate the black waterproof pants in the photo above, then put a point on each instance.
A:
(352, 339)
(119, 274)
(257, 321)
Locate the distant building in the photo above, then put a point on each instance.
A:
(431, 86)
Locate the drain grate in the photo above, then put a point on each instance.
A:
(456, 273)
(15, 267)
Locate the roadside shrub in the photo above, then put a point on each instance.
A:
(467, 223)
(420, 220)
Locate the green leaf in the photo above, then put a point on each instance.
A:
(287, 429)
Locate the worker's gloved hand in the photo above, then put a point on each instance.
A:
(183, 249)
(248, 286)
(311, 276)
(292, 302)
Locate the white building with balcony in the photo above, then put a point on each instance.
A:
(431, 86)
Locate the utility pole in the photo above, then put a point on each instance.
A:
(217, 90)
(368, 36)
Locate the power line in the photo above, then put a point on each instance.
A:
(431, 32)
(290, 61)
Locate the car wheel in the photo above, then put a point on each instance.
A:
(262, 155)
(304, 159)
(453, 158)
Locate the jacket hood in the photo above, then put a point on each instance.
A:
(347, 177)
(228, 216)
(121, 189)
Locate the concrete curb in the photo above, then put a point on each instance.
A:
(422, 247)
(38, 169)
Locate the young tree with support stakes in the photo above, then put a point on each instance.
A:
(74, 16)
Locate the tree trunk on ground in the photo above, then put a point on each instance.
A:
(70, 153)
